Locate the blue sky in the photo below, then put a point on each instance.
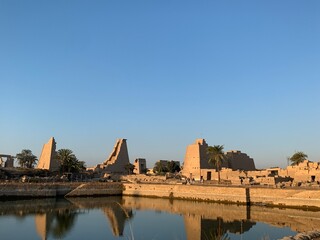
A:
(245, 74)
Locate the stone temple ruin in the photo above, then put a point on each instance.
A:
(9, 161)
(117, 161)
(196, 165)
(140, 166)
(240, 169)
(48, 158)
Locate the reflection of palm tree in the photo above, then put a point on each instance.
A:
(65, 220)
(217, 233)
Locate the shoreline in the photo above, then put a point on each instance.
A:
(241, 195)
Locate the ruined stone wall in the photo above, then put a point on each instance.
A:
(140, 166)
(118, 159)
(240, 161)
(304, 172)
(196, 163)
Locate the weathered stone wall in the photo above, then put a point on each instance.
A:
(303, 172)
(96, 189)
(196, 163)
(35, 189)
(256, 195)
(140, 166)
(198, 192)
(59, 189)
(239, 161)
(118, 159)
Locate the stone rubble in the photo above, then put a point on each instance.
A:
(311, 235)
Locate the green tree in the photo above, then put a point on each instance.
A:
(26, 159)
(216, 157)
(129, 168)
(159, 168)
(298, 157)
(69, 162)
(173, 167)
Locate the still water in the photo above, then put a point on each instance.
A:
(147, 218)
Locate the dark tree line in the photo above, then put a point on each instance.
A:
(162, 167)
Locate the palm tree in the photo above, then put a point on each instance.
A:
(68, 161)
(298, 157)
(26, 159)
(216, 156)
(173, 167)
(129, 168)
(158, 168)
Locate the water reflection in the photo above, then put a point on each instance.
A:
(117, 215)
(56, 218)
(56, 223)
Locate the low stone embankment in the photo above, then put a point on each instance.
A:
(244, 195)
(29, 190)
(43, 190)
(96, 189)
(302, 198)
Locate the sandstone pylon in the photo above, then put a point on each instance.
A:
(118, 159)
(48, 158)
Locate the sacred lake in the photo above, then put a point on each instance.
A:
(125, 217)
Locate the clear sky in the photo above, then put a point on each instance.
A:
(245, 74)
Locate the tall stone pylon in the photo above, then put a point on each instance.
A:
(48, 158)
(118, 159)
(195, 159)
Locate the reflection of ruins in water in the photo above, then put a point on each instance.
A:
(42, 222)
(201, 228)
(58, 222)
(117, 216)
(203, 220)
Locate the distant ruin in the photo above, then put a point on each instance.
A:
(239, 169)
(196, 165)
(48, 159)
(8, 163)
(236, 160)
(140, 166)
(117, 216)
(196, 159)
(117, 162)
